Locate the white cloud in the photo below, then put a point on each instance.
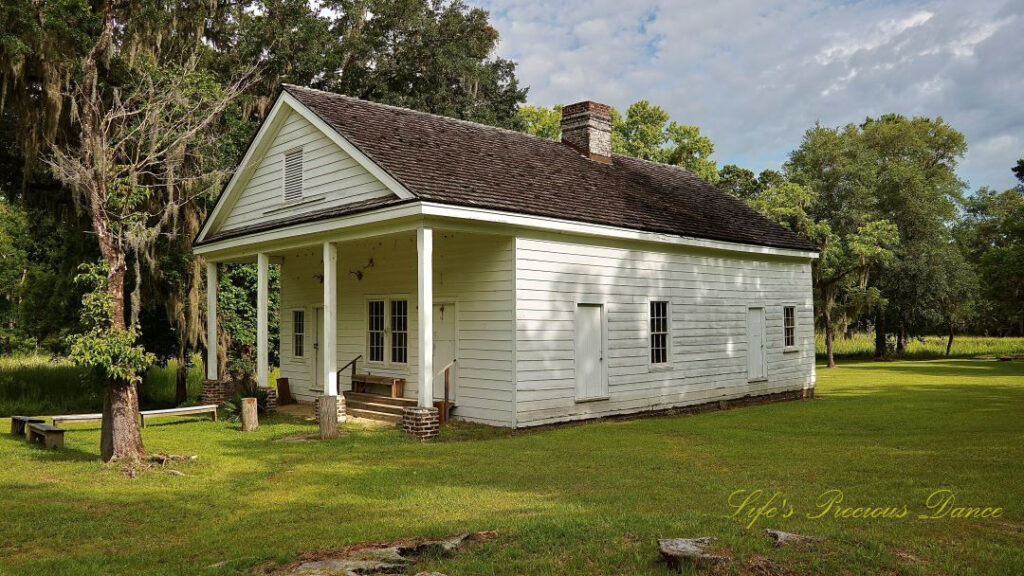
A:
(754, 74)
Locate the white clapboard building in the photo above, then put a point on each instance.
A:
(545, 281)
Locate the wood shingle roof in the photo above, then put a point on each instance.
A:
(454, 162)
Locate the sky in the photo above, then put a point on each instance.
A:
(754, 75)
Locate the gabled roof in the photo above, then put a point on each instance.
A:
(451, 161)
(448, 161)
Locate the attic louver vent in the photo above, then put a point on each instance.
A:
(293, 175)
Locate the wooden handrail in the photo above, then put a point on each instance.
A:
(351, 363)
(446, 367)
(444, 405)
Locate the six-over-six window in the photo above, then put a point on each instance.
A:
(659, 332)
(789, 325)
(298, 333)
(387, 330)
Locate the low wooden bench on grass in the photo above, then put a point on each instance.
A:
(18, 424)
(52, 436)
(183, 411)
(77, 418)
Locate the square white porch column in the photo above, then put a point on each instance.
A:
(329, 349)
(211, 321)
(262, 317)
(425, 310)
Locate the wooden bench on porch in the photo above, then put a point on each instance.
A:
(361, 383)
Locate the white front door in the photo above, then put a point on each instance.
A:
(757, 364)
(590, 373)
(318, 362)
(445, 349)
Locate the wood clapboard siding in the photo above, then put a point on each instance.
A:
(328, 172)
(473, 271)
(708, 293)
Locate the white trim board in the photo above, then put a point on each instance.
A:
(430, 209)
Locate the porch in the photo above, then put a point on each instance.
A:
(386, 307)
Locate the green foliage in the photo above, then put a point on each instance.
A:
(647, 133)
(541, 121)
(34, 384)
(249, 389)
(862, 345)
(105, 348)
(991, 235)
(158, 386)
(236, 301)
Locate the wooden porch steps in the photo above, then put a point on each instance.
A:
(376, 407)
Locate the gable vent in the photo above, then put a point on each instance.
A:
(293, 175)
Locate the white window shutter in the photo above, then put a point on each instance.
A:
(293, 175)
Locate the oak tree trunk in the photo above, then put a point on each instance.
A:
(181, 381)
(901, 340)
(120, 438)
(949, 343)
(828, 339)
(880, 346)
(827, 300)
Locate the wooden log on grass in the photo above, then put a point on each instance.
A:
(327, 416)
(250, 421)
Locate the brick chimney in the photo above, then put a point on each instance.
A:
(587, 128)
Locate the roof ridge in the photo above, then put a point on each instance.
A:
(422, 113)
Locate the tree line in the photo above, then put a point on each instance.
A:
(904, 249)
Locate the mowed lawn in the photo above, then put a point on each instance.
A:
(583, 499)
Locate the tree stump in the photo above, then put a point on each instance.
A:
(250, 421)
(328, 417)
(677, 551)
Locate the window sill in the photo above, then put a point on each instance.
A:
(660, 368)
(752, 380)
(295, 204)
(790, 349)
(591, 399)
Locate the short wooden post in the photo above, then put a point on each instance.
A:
(250, 421)
(327, 415)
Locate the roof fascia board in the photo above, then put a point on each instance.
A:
(304, 234)
(351, 149)
(430, 209)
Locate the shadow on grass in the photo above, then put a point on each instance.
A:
(38, 451)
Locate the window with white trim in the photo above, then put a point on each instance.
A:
(298, 333)
(400, 331)
(375, 331)
(293, 175)
(789, 325)
(659, 332)
(387, 330)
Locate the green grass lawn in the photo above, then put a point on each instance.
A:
(582, 499)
